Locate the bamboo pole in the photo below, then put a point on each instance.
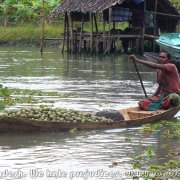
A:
(5, 22)
(43, 25)
(164, 14)
(96, 41)
(64, 34)
(95, 22)
(104, 38)
(67, 32)
(109, 34)
(143, 32)
(155, 25)
(91, 32)
(82, 28)
(71, 34)
(114, 25)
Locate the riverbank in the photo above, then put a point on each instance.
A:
(28, 34)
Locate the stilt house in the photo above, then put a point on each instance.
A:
(145, 20)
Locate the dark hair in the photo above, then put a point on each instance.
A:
(167, 53)
(176, 63)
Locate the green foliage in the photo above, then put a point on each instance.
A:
(30, 11)
(176, 4)
(25, 11)
(2, 105)
(4, 95)
(169, 129)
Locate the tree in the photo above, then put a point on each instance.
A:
(7, 8)
(176, 4)
(25, 11)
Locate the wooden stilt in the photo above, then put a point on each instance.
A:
(109, 34)
(114, 42)
(95, 22)
(81, 33)
(143, 31)
(155, 9)
(96, 39)
(91, 32)
(114, 25)
(71, 34)
(104, 38)
(43, 25)
(64, 33)
(67, 32)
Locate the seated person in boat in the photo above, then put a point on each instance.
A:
(168, 91)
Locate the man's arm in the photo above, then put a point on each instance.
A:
(148, 64)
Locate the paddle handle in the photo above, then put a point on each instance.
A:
(140, 78)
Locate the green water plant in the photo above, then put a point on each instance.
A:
(169, 129)
(147, 162)
(10, 97)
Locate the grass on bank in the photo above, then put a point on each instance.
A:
(28, 33)
(31, 33)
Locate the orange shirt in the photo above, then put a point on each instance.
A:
(168, 79)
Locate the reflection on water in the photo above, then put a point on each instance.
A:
(97, 83)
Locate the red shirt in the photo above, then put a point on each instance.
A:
(168, 79)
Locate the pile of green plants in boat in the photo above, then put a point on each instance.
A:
(45, 113)
(11, 97)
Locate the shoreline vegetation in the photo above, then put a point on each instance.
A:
(30, 34)
(20, 22)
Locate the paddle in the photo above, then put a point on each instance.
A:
(139, 78)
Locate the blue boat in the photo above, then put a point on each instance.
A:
(170, 42)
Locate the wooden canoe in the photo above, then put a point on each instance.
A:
(133, 117)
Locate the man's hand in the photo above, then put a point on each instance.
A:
(132, 56)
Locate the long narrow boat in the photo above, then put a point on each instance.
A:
(170, 42)
(132, 117)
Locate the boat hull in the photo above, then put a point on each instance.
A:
(133, 117)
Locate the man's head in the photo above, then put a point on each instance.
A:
(164, 57)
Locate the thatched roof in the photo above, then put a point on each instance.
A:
(85, 6)
(165, 22)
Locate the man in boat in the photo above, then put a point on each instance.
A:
(168, 91)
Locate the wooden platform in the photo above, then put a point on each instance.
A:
(102, 43)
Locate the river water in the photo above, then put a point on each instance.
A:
(96, 83)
